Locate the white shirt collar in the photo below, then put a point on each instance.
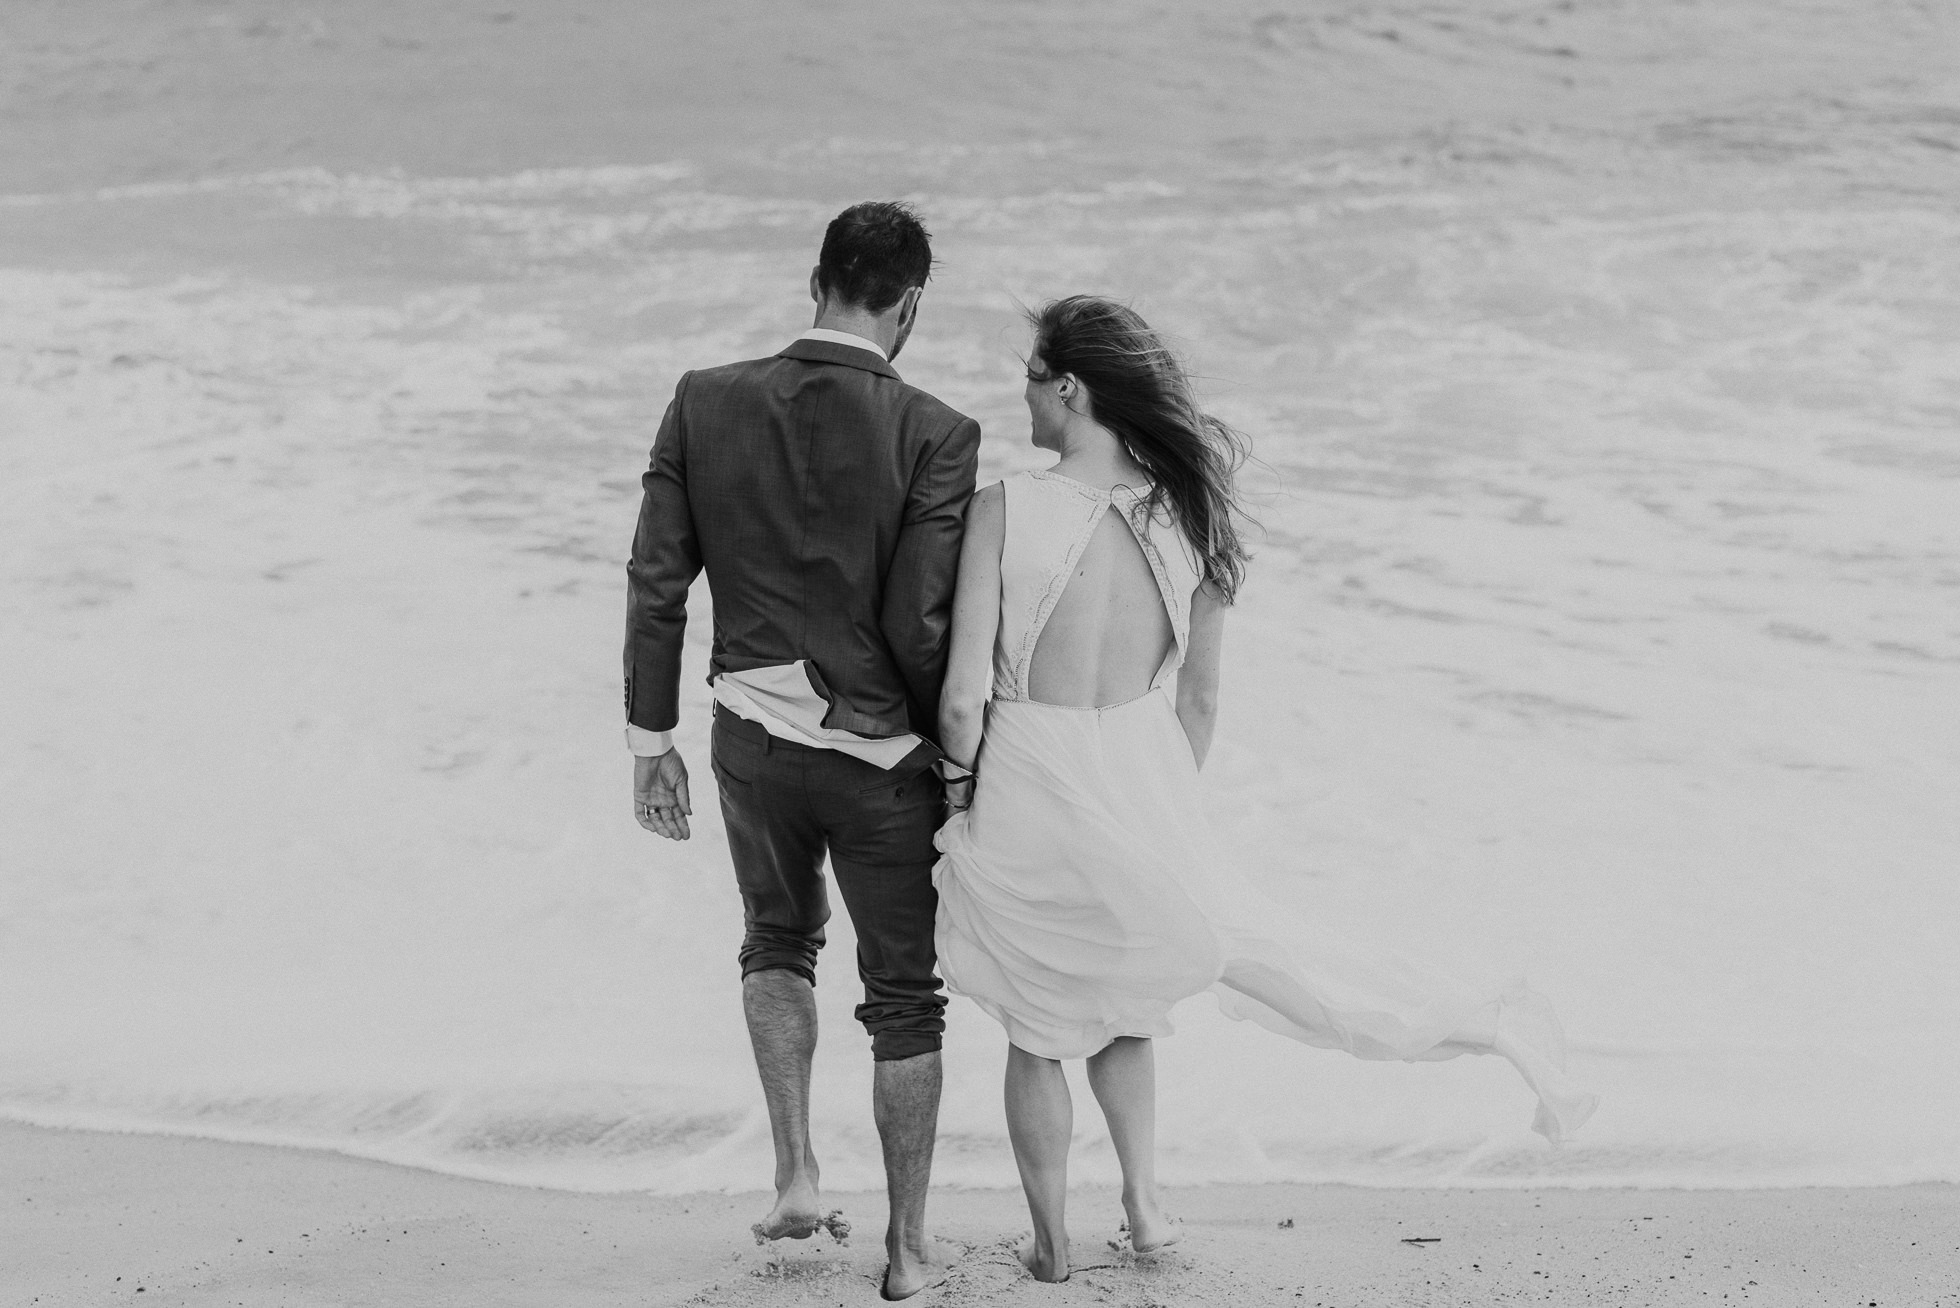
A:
(844, 338)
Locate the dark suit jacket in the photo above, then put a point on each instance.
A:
(826, 498)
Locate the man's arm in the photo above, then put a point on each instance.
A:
(918, 607)
(666, 559)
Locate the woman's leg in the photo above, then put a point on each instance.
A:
(1124, 1077)
(1040, 1120)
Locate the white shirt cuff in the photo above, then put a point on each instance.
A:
(648, 744)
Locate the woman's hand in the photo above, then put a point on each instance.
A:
(959, 793)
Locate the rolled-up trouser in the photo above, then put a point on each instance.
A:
(785, 805)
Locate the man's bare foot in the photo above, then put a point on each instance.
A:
(912, 1271)
(1043, 1261)
(1149, 1229)
(797, 1215)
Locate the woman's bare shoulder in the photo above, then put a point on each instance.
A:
(988, 508)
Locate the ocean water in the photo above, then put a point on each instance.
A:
(1604, 629)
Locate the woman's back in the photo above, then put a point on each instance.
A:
(1091, 600)
(1108, 634)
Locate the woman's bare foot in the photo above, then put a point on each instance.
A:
(797, 1214)
(911, 1271)
(1149, 1229)
(1043, 1260)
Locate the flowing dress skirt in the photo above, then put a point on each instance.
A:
(1080, 899)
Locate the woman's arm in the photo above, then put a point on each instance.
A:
(1197, 681)
(976, 617)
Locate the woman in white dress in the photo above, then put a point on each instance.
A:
(1078, 895)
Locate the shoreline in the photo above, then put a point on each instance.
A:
(1091, 1166)
(189, 1221)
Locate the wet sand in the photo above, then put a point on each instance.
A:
(93, 1218)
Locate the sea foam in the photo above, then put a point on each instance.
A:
(1601, 630)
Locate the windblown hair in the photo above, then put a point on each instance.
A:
(1139, 391)
(873, 253)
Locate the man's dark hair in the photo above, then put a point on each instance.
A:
(873, 253)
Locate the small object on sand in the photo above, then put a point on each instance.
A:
(1422, 1239)
(1286, 1223)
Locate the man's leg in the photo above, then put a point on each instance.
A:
(880, 830)
(905, 1102)
(777, 849)
(781, 1008)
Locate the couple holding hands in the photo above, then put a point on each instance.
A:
(988, 710)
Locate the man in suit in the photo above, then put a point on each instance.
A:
(826, 500)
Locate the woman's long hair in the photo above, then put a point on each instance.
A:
(1139, 392)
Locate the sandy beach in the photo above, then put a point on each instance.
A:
(94, 1218)
(1602, 628)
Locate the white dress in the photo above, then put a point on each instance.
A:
(1079, 898)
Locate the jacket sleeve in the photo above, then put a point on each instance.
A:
(666, 559)
(918, 609)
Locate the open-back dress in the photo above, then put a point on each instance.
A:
(1080, 897)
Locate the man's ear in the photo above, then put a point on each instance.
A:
(816, 286)
(908, 304)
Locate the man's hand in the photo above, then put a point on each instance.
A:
(660, 799)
